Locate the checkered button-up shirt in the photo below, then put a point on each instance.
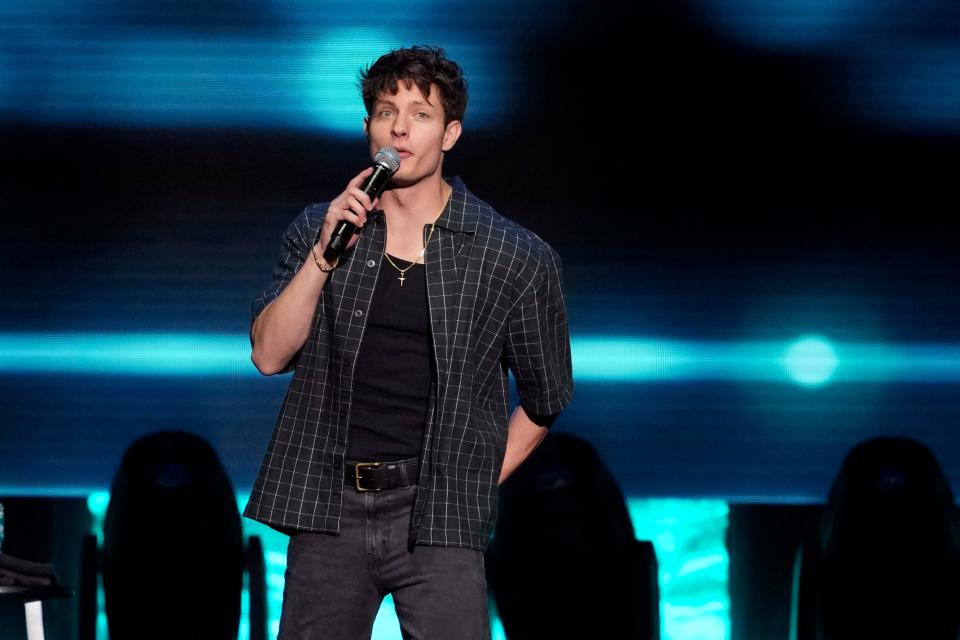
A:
(496, 301)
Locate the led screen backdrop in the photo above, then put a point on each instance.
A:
(755, 205)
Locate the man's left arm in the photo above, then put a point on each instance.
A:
(538, 353)
(524, 434)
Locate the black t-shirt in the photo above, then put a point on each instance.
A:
(392, 376)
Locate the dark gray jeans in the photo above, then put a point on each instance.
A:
(335, 583)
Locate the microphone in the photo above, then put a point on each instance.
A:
(385, 164)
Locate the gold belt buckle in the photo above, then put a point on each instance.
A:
(365, 465)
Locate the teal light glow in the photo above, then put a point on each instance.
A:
(126, 354)
(97, 503)
(688, 536)
(331, 92)
(630, 359)
(291, 66)
(811, 361)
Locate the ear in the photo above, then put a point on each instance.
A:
(451, 134)
(366, 127)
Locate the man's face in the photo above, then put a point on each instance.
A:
(412, 124)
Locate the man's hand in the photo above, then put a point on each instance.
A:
(352, 205)
(523, 436)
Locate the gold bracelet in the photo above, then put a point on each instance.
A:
(320, 263)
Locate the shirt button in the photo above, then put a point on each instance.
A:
(358, 313)
(371, 263)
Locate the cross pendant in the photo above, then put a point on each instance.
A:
(401, 279)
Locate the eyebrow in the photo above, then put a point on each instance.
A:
(390, 103)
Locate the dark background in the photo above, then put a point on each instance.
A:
(709, 171)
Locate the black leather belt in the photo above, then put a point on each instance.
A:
(377, 476)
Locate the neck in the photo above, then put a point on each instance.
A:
(417, 204)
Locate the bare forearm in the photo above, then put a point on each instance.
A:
(523, 436)
(284, 326)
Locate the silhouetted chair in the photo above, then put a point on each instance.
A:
(886, 562)
(173, 555)
(564, 562)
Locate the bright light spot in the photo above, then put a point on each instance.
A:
(97, 503)
(810, 361)
(627, 358)
(693, 562)
(386, 626)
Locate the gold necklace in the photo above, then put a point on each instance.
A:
(422, 252)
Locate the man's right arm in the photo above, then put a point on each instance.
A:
(282, 328)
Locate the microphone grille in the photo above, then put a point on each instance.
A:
(388, 158)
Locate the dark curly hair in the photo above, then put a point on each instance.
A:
(422, 66)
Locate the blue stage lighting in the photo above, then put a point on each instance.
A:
(811, 361)
(125, 354)
(93, 67)
(791, 23)
(914, 87)
(330, 79)
(688, 536)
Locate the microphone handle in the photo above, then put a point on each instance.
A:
(373, 186)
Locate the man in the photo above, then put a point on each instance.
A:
(396, 429)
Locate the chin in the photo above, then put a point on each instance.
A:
(402, 181)
(406, 180)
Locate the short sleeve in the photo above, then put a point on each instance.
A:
(538, 341)
(295, 247)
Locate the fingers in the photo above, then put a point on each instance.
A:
(354, 209)
(352, 206)
(359, 178)
(354, 189)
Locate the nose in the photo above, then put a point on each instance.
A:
(399, 128)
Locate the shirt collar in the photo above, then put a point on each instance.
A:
(461, 213)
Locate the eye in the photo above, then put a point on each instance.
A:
(385, 113)
(422, 115)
